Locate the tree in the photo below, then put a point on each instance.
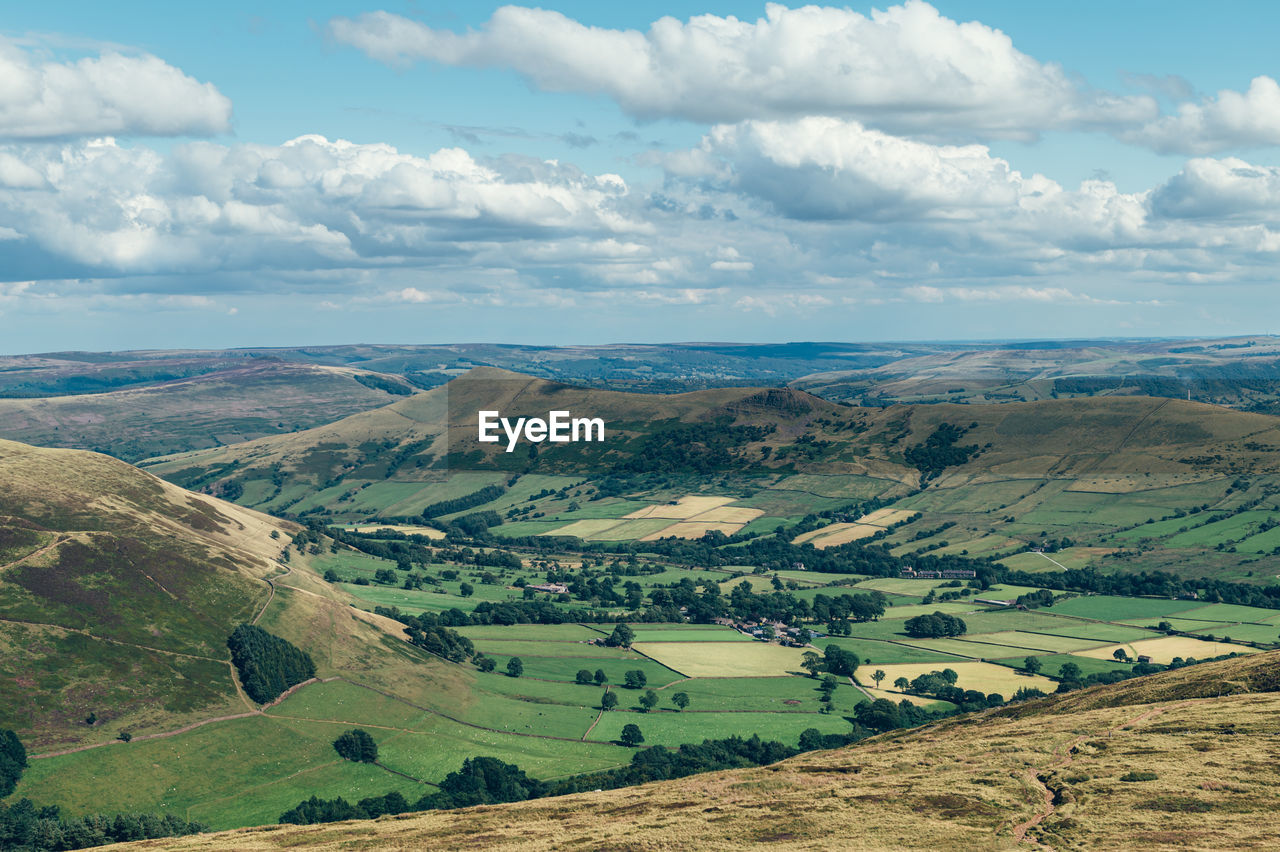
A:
(811, 662)
(635, 679)
(485, 664)
(878, 675)
(1121, 655)
(1031, 665)
(621, 637)
(1069, 672)
(680, 699)
(466, 589)
(356, 745)
(515, 667)
(600, 677)
(385, 576)
(631, 735)
(13, 759)
(901, 684)
(583, 677)
(648, 700)
(934, 626)
(608, 701)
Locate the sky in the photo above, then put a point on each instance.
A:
(220, 175)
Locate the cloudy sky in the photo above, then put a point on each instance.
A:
(585, 172)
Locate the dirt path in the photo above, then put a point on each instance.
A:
(1062, 758)
(60, 539)
(270, 581)
(185, 728)
(599, 716)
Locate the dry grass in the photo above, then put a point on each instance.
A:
(1164, 649)
(685, 508)
(693, 529)
(984, 677)
(724, 659)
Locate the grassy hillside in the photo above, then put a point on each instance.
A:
(1170, 761)
(117, 591)
(1111, 482)
(239, 401)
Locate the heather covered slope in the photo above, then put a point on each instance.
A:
(117, 592)
(239, 401)
(1179, 760)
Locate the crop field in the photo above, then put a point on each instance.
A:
(429, 532)
(672, 633)
(693, 529)
(610, 529)
(779, 503)
(847, 487)
(899, 697)
(1165, 648)
(787, 694)
(1053, 663)
(950, 607)
(1226, 531)
(984, 677)
(724, 659)
(519, 648)
(684, 509)
(1264, 633)
(1109, 608)
(1037, 641)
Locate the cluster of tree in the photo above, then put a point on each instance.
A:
(1033, 600)
(467, 501)
(476, 525)
(386, 384)
(426, 632)
(31, 828)
(694, 448)
(317, 810)
(268, 665)
(13, 760)
(1145, 584)
(356, 745)
(834, 659)
(940, 451)
(934, 626)
(621, 637)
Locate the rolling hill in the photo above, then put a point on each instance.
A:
(1176, 760)
(240, 400)
(1099, 473)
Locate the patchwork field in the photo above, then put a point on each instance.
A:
(1164, 649)
(724, 659)
(684, 509)
(984, 677)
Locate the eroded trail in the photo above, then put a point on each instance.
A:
(1063, 756)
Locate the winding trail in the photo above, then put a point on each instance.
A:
(61, 538)
(1062, 758)
(599, 716)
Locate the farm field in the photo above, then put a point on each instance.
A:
(1108, 608)
(670, 728)
(880, 653)
(1164, 649)
(984, 677)
(645, 633)
(724, 659)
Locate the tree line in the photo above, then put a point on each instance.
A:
(268, 665)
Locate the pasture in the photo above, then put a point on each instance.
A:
(724, 659)
(1164, 649)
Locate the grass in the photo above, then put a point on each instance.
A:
(984, 677)
(241, 772)
(529, 632)
(1111, 608)
(1231, 612)
(724, 659)
(671, 728)
(664, 633)
(881, 653)
(565, 668)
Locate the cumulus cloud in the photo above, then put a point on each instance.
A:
(826, 168)
(1228, 188)
(905, 69)
(310, 203)
(1231, 120)
(111, 94)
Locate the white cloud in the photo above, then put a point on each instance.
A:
(1228, 188)
(1231, 120)
(110, 94)
(310, 203)
(905, 69)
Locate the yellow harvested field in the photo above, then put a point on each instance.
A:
(1164, 649)
(843, 533)
(729, 515)
(429, 532)
(851, 532)
(586, 528)
(896, 697)
(886, 517)
(724, 659)
(683, 509)
(692, 529)
(984, 677)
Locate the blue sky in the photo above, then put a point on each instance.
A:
(325, 172)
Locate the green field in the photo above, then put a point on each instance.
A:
(884, 653)
(1109, 608)
(664, 727)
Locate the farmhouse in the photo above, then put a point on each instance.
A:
(551, 588)
(909, 573)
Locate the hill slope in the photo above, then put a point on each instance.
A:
(1059, 772)
(117, 592)
(239, 401)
